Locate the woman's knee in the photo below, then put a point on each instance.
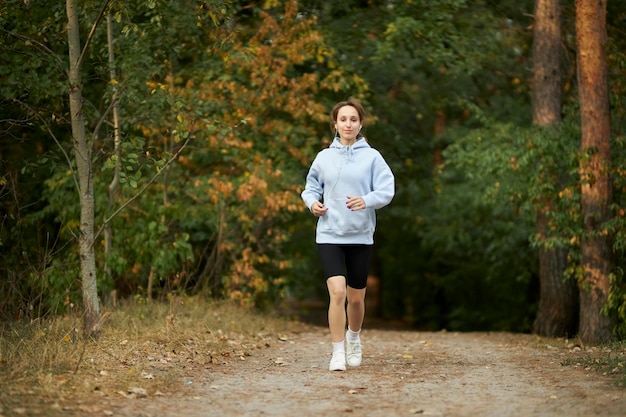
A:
(337, 289)
(356, 302)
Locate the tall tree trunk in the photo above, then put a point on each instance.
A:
(594, 167)
(558, 303)
(82, 153)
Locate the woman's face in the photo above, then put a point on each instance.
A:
(348, 123)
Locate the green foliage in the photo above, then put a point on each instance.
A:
(509, 173)
(453, 67)
(220, 218)
(52, 205)
(477, 239)
(449, 38)
(240, 93)
(616, 305)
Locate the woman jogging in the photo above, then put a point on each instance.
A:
(346, 183)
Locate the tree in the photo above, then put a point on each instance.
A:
(596, 187)
(114, 186)
(247, 177)
(82, 155)
(556, 314)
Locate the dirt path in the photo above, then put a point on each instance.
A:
(403, 373)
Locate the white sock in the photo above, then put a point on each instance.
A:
(338, 347)
(353, 336)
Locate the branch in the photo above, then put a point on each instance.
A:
(92, 32)
(39, 45)
(102, 119)
(143, 189)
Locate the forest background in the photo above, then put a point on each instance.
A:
(202, 118)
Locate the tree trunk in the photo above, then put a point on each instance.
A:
(546, 82)
(594, 169)
(558, 304)
(117, 145)
(82, 153)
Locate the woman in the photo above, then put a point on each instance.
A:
(346, 183)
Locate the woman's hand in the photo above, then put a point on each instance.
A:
(318, 209)
(355, 203)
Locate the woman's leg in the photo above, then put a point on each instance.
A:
(337, 307)
(357, 264)
(356, 308)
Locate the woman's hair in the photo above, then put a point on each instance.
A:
(351, 102)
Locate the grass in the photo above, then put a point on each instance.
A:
(609, 359)
(48, 368)
(142, 348)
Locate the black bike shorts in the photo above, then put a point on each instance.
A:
(349, 261)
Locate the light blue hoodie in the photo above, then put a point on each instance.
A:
(341, 171)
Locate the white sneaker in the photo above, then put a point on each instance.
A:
(354, 353)
(338, 362)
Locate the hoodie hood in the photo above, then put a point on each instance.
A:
(349, 150)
